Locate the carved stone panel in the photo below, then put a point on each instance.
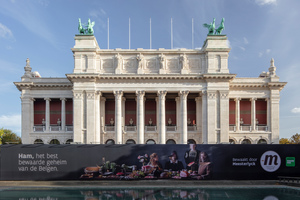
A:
(151, 66)
(130, 66)
(173, 66)
(195, 65)
(108, 66)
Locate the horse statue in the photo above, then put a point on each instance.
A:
(80, 28)
(90, 26)
(211, 27)
(220, 28)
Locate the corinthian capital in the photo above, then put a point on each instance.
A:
(183, 93)
(118, 94)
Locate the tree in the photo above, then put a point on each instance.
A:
(284, 141)
(1, 133)
(7, 136)
(295, 139)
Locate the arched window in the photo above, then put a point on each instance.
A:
(110, 141)
(170, 141)
(130, 141)
(54, 141)
(246, 141)
(150, 141)
(262, 141)
(69, 141)
(38, 141)
(191, 141)
(231, 141)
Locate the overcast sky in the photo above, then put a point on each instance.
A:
(44, 30)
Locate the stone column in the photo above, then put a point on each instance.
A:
(78, 116)
(224, 117)
(31, 113)
(178, 116)
(237, 113)
(102, 118)
(253, 114)
(118, 116)
(97, 117)
(204, 117)
(183, 113)
(162, 116)
(63, 114)
(47, 115)
(198, 113)
(268, 114)
(140, 116)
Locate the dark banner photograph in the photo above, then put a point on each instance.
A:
(136, 162)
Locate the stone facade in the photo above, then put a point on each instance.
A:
(150, 96)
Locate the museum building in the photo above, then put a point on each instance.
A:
(150, 96)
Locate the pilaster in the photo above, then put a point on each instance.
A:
(224, 117)
(78, 116)
(199, 114)
(274, 108)
(211, 117)
(26, 118)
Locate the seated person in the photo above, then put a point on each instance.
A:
(204, 169)
(174, 164)
(155, 164)
(191, 158)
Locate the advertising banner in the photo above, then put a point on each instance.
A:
(134, 162)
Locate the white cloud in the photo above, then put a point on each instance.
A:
(12, 122)
(246, 40)
(5, 32)
(100, 17)
(295, 110)
(267, 51)
(30, 15)
(243, 48)
(266, 2)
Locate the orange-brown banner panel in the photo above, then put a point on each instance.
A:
(245, 112)
(191, 112)
(261, 112)
(150, 112)
(170, 112)
(109, 112)
(130, 112)
(69, 112)
(55, 111)
(231, 112)
(39, 111)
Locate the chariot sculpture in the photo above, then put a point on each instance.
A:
(88, 30)
(211, 27)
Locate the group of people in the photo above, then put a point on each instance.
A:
(195, 160)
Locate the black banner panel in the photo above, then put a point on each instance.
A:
(134, 162)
